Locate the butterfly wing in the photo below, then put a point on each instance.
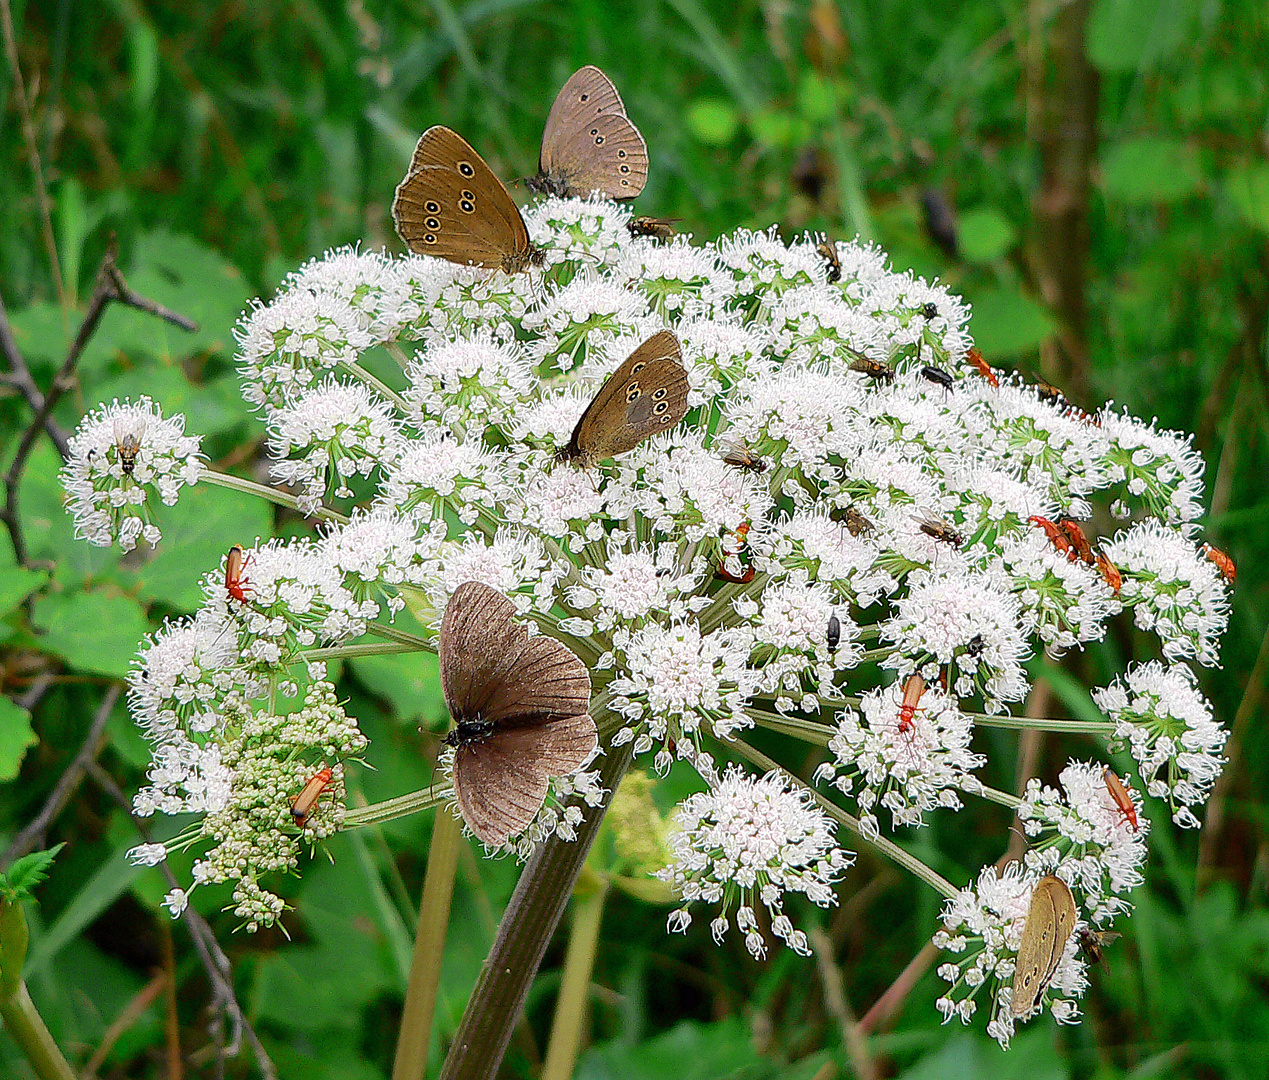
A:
(1050, 921)
(492, 670)
(500, 783)
(589, 144)
(653, 386)
(451, 205)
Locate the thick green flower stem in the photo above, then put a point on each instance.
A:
(526, 930)
(579, 963)
(429, 946)
(23, 1022)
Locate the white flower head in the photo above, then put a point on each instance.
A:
(748, 839)
(120, 458)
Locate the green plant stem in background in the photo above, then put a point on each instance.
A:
(579, 964)
(268, 494)
(888, 848)
(523, 935)
(429, 946)
(22, 1021)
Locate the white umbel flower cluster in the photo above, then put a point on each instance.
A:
(856, 537)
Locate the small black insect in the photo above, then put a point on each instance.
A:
(929, 311)
(937, 375)
(834, 633)
(975, 645)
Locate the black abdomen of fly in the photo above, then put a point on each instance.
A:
(466, 732)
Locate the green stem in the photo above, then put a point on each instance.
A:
(401, 806)
(368, 648)
(1045, 723)
(523, 935)
(886, 847)
(402, 637)
(429, 946)
(579, 963)
(381, 387)
(24, 1023)
(269, 494)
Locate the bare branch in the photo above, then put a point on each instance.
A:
(213, 958)
(110, 286)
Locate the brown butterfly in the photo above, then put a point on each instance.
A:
(519, 707)
(1050, 922)
(451, 205)
(589, 144)
(647, 394)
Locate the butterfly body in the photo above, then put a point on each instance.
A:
(589, 144)
(520, 709)
(451, 205)
(647, 394)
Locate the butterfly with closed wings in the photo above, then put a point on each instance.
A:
(589, 144)
(451, 205)
(519, 705)
(647, 394)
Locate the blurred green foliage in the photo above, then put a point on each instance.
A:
(1105, 161)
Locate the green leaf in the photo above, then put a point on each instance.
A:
(1007, 322)
(410, 681)
(41, 333)
(15, 737)
(182, 274)
(815, 98)
(28, 871)
(713, 121)
(16, 584)
(1150, 171)
(984, 234)
(1135, 35)
(91, 631)
(197, 531)
(688, 1051)
(1248, 189)
(48, 527)
(143, 57)
(777, 128)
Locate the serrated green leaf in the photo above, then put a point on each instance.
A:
(1006, 322)
(984, 234)
(182, 274)
(16, 737)
(28, 871)
(1150, 170)
(91, 631)
(197, 531)
(713, 121)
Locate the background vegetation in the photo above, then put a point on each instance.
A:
(1105, 163)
